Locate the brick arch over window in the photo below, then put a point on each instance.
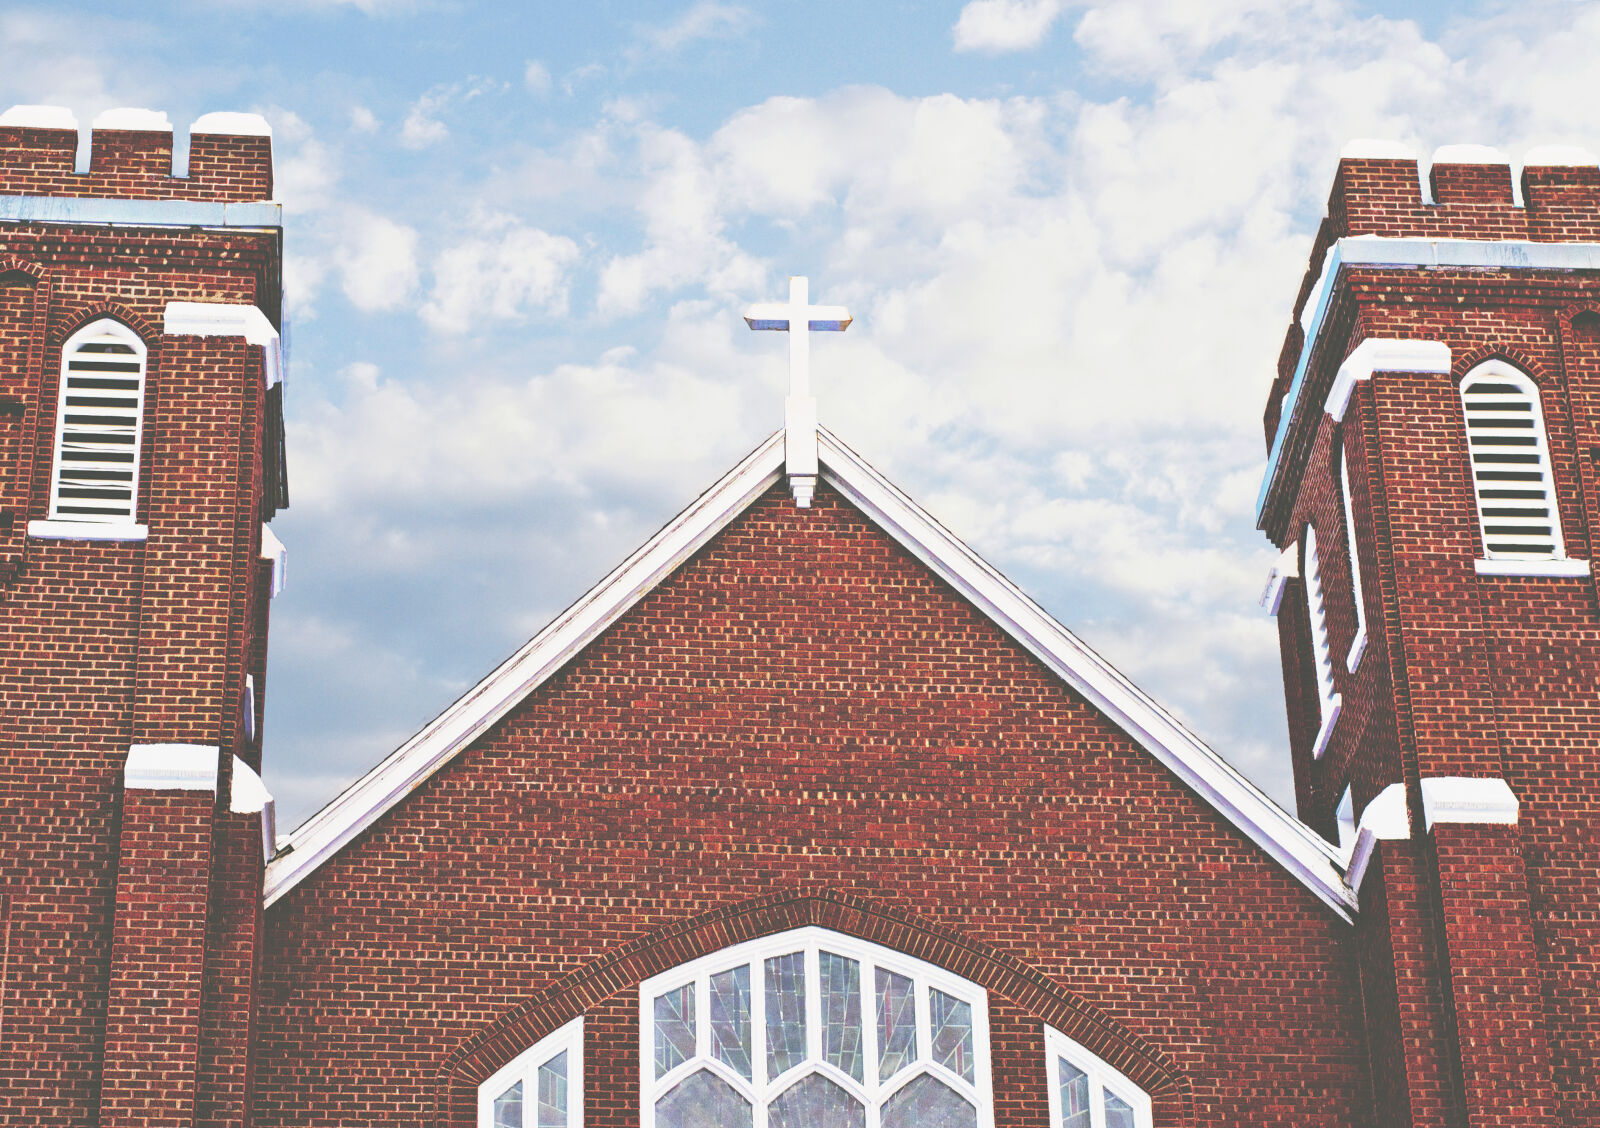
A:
(69, 320)
(625, 967)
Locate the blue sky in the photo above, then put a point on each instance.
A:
(519, 235)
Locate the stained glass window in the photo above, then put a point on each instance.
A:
(786, 1012)
(840, 978)
(730, 1019)
(813, 1029)
(674, 1029)
(541, 1088)
(1086, 1092)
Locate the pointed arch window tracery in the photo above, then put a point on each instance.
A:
(817, 1029)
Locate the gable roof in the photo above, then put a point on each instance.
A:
(1293, 845)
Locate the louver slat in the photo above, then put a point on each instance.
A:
(1510, 468)
(97, 448)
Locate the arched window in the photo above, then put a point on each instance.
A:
(1085, 1092)
(1358, 644)
(541, 1088)
(1510, 464)
(98, 425)
(813, 1029)
(1322, 659)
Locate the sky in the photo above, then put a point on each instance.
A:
(519, 236)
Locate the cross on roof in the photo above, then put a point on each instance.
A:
(800, 409)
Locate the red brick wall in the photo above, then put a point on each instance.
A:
(72, 615)
(802, 725)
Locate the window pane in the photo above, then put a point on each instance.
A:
(952, 1033)
(1119, 1113)
(553, 1092)
(508, 1108)
(926, 1103)
(897, 1024)
(703, 1101)
(730, 1019)
(816, 1102)
(786, 1012)
(1074, 1095)
(674, 1029)
(841, 1013)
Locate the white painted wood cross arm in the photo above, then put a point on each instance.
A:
(800, 409)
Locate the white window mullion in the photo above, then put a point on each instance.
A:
(813, 981)
(758, 1030)
(869, 1029)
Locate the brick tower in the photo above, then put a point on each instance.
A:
(1434, 435)
(140, 454)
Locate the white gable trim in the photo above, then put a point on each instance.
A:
(1300, 850)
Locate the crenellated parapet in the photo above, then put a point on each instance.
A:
(130, 156)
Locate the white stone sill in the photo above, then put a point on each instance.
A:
(1531, 567)
(87, 530)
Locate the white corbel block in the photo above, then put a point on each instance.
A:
(1461, 799)
(171, 767)
(1380, 354)
(227, 319)
(272, 549)
(1385, 819)
(250, 796)
(1287, 568)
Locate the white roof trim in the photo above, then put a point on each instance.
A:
(1304, 853)
(1460, 799)
(128, 117)
(231, 124)
(39, 117)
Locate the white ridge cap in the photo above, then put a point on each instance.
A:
(1547, 156)
(232, 124)
(1367, 148)
(1469, 154)
(127, 117)
(40, 117)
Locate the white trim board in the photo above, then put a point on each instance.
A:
(1406, 252)
(1315, 862)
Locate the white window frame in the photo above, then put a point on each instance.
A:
(1102, 1077)
(1555, 561)
(525, 1068)
(86, 526)
(1321, 649)
(1358, 644)
(760, 1091)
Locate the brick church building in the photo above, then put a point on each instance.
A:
(804, 815)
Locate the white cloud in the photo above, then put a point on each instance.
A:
(419, 130)
(706, 19)
(363, 120)
(375, 258)
(502, 272)
(536, 77)
(1004, 25)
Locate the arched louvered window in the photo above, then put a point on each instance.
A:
(1358, 644)
(1510, 465)
(1322, 658)
(813, 1029)
(98, 425)
(541, 1088)
(1085, 1092)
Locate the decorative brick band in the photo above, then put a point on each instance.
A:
(171, 767)
(625, 967)
(1457, 799)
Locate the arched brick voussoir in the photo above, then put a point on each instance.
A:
(628, 965)
(70, 318)
(11, 264)
(1465, 360)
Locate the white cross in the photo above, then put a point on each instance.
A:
(800, 409)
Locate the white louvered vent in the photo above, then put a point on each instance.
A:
(1510, 465)
(1316, 604)
(97, 425)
